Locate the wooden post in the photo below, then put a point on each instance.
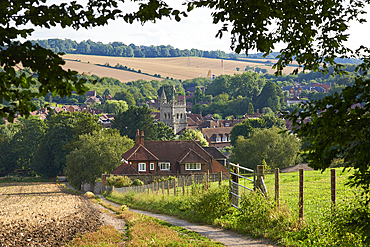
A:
(157, 188)
(261, 178)
(333, 187)
(153, 188)
(168, 187)
(301, 196)
(162, 187)
(174, 187)
(183, 185)
(277, 187)
(220, 183)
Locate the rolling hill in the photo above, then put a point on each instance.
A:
(178, 68)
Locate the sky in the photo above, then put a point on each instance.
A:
(195, 31)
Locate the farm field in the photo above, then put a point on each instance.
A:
(176, 68)
(43, 214)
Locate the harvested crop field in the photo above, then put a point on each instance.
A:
(177, 67)
(43, 214)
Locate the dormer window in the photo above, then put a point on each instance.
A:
(218, 139)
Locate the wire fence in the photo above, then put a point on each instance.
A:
(310, 194)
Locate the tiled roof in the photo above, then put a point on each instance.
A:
(190, 156)
(215, 153)
(216, 131)
(139, 152)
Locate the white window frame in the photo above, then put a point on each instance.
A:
(151, 166)
(193, 166)
(224, 139)
(164, 166)
(218, 139)
(142, 167)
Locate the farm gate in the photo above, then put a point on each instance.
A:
(241, 179)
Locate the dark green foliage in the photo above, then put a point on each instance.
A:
(125, 96)
(271, 96)
(95, 153)
(250, 109)
(135, 118)
(164, 132)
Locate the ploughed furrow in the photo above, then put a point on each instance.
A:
(49, 217)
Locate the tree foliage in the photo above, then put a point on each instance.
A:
(135, 118)
(278, 150)
(95, 154)
(194, 135)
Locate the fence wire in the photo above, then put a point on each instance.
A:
(317, 191)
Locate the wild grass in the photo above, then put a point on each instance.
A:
(141, 231)
(259, 217)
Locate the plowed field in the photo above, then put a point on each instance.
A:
(43, 214)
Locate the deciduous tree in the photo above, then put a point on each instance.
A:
(95, 154)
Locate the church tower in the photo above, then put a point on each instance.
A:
(173, 113)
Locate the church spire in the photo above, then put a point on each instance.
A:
(163, 96)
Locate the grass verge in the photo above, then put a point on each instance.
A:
(258, 217)
(141, 231)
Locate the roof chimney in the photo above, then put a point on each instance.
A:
(137, 138)
(142, 138)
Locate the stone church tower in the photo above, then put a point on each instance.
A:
(173, 113)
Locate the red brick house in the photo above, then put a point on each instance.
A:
(167, 158)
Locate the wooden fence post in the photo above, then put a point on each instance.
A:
(277, 187)
(157, 188)
(333, 187)
(174, 187)
(301, 182)
(168, 187)
(162, 187)
(261, 178)
(220, 183)
(183, 185)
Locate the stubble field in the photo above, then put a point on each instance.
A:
(43, 214)
(178, 68)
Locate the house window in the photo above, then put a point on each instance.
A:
(224, 139)
(192, 166)
(142, 167)
(151, 166)
(218, 139)
(164, 166)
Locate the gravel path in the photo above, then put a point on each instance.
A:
(228, 238)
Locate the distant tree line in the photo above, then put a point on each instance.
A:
(120, 49)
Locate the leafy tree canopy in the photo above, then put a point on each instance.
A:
(278, 150)
(194, 135)
(95, 154)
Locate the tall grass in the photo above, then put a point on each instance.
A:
(259, 217)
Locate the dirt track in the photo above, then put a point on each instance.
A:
(43, 214)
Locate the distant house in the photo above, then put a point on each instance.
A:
(168, 158)
(218, 137)
(93, 99)
(295, 100)
(295, 91)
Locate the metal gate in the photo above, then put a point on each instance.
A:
(240, 180)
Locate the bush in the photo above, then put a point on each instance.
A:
(89, 194)
(137, 182)
(118, 181)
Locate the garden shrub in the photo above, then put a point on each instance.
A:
(137, 182)
(118, 181)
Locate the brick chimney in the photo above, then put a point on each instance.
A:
(137, 138)
(142, 138)
(258, 111)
